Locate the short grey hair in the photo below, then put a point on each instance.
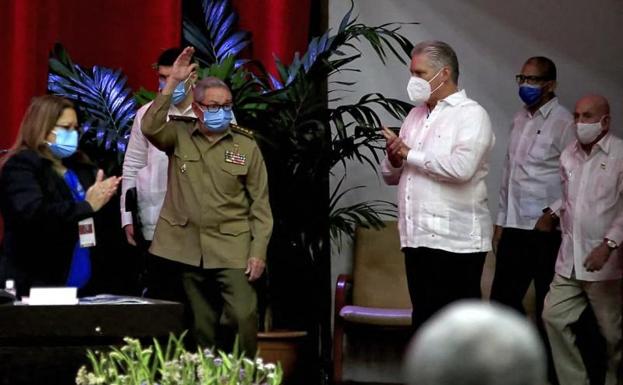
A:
(209, 82)
(475, 343)
(440, 55)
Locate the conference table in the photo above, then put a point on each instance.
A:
(48, 344)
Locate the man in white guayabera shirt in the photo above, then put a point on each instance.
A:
(531, 181)
(144, 166)
(439, 162)
(589, 266)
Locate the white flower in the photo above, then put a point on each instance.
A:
(94, 380)
(200, 373)
(81, 376)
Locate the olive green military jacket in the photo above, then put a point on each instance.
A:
(216, 207)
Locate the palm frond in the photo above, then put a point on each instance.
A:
(217, 38)
(103, 101)
(384, 39)
(343, 220)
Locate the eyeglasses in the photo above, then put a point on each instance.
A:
(216, 107)
(67, 126)
(530, 79)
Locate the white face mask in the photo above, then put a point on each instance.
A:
(588, 132)
(419, 89)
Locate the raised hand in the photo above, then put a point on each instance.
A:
(182, 69)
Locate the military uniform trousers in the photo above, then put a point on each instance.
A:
(219, 303)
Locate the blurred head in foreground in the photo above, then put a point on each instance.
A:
(476, 343)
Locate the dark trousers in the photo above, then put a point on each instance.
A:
(524, 256)
(438, 277)
(218, 303)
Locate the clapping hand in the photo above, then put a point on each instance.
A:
(102, 190)
(396, 149)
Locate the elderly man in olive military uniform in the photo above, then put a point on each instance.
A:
(216, 221)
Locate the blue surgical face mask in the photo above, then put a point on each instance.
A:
(179, 93)
(66, 142)
(217, 121)
(530, 94)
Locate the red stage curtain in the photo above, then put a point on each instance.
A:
(279, 27)
(112, 33)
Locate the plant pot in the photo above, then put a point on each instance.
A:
(289, 347)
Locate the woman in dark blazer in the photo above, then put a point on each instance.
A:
(46, 189)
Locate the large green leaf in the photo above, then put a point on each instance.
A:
(104, 104)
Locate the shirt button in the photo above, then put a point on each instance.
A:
(408, 197)
(432, 235)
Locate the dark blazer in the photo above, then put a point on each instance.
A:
(41, 219)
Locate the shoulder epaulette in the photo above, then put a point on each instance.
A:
(241, 130)
(181, 118)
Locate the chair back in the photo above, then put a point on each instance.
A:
(379, 277)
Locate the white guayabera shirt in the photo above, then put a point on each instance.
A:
(442, 196)
(531, 177)
(145, 167)
(592, 207)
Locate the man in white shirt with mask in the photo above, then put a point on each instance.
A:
(144, 166)
(531, 181)
(440, 161)
(589, 266)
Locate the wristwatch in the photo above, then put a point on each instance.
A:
(611, 244)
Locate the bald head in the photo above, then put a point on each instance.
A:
(476, 343)
(596, 104)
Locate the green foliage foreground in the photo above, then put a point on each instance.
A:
(135, 364)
